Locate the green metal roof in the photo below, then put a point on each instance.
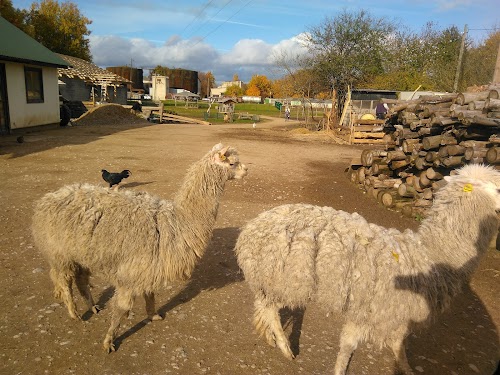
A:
(17, 46)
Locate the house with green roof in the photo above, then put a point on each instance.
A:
(29, 93)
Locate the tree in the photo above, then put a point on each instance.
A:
(14, 16)
(259, 85)
(207, 82)
(236, 77)
(349, 49)
(60, 27)
(234, 90)
(480, 61)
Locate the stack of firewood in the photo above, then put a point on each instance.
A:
(426, 139)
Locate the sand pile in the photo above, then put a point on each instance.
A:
(109, 114)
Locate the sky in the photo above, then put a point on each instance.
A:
(243, 37)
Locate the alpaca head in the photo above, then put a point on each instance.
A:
(228, 158)
(474, 179)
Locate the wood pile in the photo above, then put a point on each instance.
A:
(428, 139)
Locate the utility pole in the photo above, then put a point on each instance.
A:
(496, 73)
(460, 59)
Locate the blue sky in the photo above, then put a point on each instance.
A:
(242, 37)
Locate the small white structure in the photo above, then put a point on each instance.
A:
(160, 87)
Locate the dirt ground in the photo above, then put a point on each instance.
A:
(208, 320)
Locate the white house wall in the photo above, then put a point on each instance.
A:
(23, 114)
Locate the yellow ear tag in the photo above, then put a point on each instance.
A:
(396, 256)
(222, 157)
(468, 188)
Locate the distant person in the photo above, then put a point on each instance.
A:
(381, 111)
(287, 114)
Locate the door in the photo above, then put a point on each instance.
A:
(4, 107)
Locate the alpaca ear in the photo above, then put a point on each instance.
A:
(217, 147)
(220, 156)
(223, 151)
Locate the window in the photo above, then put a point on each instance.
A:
(34, 85)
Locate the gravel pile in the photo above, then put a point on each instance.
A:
(109, 114)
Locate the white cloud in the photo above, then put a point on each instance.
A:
(246, 58)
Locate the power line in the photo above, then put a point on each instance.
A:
(197, 16)
(219, 26)
(204, 23)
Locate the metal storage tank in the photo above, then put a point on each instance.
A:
(183, 79)
(132, 74)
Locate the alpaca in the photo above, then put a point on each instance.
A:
(136, 241)
(380, 280)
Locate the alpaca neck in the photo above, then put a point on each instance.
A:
(452, 236)
(197, 201)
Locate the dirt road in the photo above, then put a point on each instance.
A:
(207, 327)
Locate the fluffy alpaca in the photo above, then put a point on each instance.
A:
(381, 280)
(136, 241)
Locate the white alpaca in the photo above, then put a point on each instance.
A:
(136, 241)
(380, 280)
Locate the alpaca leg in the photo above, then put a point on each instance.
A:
(150, 307)
(63, 280)
(83, 284)
(349, 339)
(123, 301)
(399, 350)
(267, 322)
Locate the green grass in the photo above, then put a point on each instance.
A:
(201, 112)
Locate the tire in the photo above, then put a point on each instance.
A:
(65, 115)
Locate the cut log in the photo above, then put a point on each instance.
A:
(492, 104)
(387, 183)
(454, 150)
(432, 142)
(431, 156)
(391, 198)
(473, 153)
(421, 164)
(410, 145)
(436, 185)
(493, 155)
(474, 143)
(406, 190)
(361, 174)
(353, 176)
(380, 167)
(396, 164)
(494, 94)
(427, 193)
(486, 121)
(424, 180)
(467, 97)
(396, 155)
(433, 99)
(452, 161)
(434, 174)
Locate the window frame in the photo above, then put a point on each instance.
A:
(33, 79)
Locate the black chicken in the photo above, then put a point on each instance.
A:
(114, 178)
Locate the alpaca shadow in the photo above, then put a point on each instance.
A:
(461, 335)
(294, 317)
(217, 268)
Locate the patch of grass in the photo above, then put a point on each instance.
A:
(200, 113)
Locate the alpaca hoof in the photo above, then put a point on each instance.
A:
(156, 317)
(96, 309)
(109, 347)
(75, 316)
